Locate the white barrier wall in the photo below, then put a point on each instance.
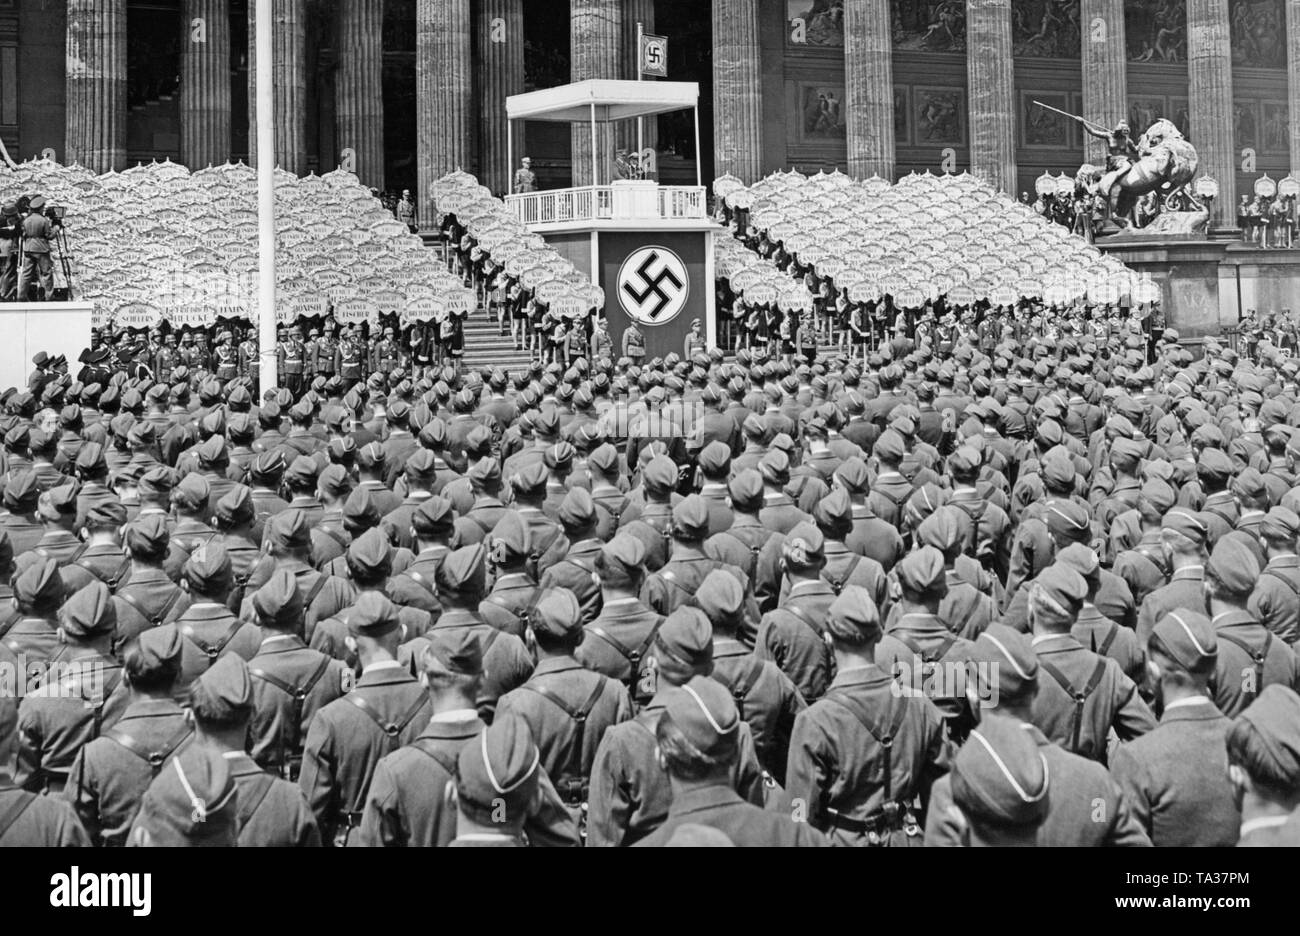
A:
(53, 327)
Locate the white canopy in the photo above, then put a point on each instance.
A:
(603, 100)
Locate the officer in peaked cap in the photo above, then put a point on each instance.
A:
(566, 706)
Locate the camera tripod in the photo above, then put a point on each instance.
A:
(65, 261)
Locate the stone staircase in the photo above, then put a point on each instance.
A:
(485, 346)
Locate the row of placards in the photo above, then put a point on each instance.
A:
(346, 311)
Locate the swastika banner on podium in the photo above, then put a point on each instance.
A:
(655, 279)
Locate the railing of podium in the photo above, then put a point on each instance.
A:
(596, 202)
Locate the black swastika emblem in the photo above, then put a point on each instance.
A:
(653, 285)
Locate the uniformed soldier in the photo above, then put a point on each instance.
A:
(1182, 537)
(72, 705)
(293, 361)
(747, 544)
(514, 590)
(485, 509)
(676, 582)
(1094, 630)
(146, 597)
(497, 781)
(1250, 657)
(793, 635)
(576, 572)
(290, 681)
(699, 737)
(208, 627)
(38, 592)
(617, 643)
(348, 737)
(1275, 602)
(349, 359)
(1000, 784)
(1265, 768)
(566, 706)
(385, 354)
(861, 722)
(288, 546)
(226, 357)
(193, 803)
(103, 559)
(1175, 777)
(111, 773)
(189, 531)
(547, 542)
(57, 511)
(271, 811)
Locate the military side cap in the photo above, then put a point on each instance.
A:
(370, 555)
(89, 613)
(191, 495)
(434, 516)
(455, 650)
(853, 474)
(941, 530)
(289, 529)
(1186, 522)
(1084, 560)
(268, 468)
(604, 458)
(279, 602)
(804, 547)
(530, 479)
(373, 615)
(1063, 586)
(1249, 484)
(834, 514)
(921, 572)
(224, 692)
(660, 475)
(59, 502)
(208, 568)
(302, 472)
(334, 481)
(1188, 638)
(1067, 519)
(463, 571)
(1281, 524)
(485, 473)
(511, 534)
(704, 711)
(746, 490)
(577, 510)
(720, 596)
(1012, 653)
(212, 452)
(22, 492)
(1265, 738)
(191, 803)
(496, 772)
(1158, 495)
(1233, 565)
(1058, 468)
(691, 518)
(890, 447)
(559, 457)
(236, 507)
(775, 468)
(556, 613)
(90, 459)
(39, 585)
(964, 461)
(685, 639)
(1214, 465)
(371, 456)
(999, 778)
(853, 617)
(148, 536)
(715, 460)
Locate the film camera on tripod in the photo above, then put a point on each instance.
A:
(40, 237)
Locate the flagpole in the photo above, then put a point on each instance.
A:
(265, 195)
(640, 76)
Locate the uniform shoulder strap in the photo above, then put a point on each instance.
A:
(1257, 655)
(154, 758)
(11, 815)
(213, 651)
(1111, 633)
(884, 732)
(571, 781)
(1079, 695)
(392, 730)
(442, 758)
(249, 805)
(321, 579)
(744, 684)
(837, 585)
(1295, 589)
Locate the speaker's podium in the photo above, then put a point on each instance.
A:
(648, 246)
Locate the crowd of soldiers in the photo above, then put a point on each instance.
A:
(1046, 593)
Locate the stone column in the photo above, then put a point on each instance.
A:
(359, 89)
(1293, 80)
(737, 90)
(444, 94)
(501, 74)
(205, 84)
(1209, 77)
(869, 88)
(595, 51)
(96, 84)
(289, 40)
(1105, 71)
(643, 12)
(992, 119)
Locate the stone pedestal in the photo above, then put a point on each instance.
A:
(1209, 74)
(991, 82)
(869, 88)
(96, 84)
(737, 90)
(1105, 71)
(289, 38)
(501, 74)
(359, 89)
(596, 51)
(444, 94)
(205, 84)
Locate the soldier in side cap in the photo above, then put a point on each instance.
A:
(329, 536)
(1140, 560)
(747, 544)
(965, 608)
(432, 531)
(919, 643)
(103, 559)
(290, 681)
(843, 567)
(207, 625)
(92, 472)
(147, 596)
(698, 739)
(21, 496)
(1093, 629)
(1250, 657)
(111, 773)
(547, 542)
(461, 583)
(861, 722)
(617, 642)
(1182, 538)
(1000, 784)
(288, 547)
(192, 803)
(371, 468)
(497, 783)
(38, 593)
(189, 530)
(485, 508)
(1087, 695)
(566, 706)
(514, 590)
(576, 572)
(871, 535)
(271, 811)
(29, 819)
(630, 790)
(677, 581)
(1275, 602)
(651, 519)
(1087, 808)
(1264, 763)
(57, 511)
(408, 805)
(77, 699)
(233, 518)
(1175, 777)
(386, 709)
(792, 635)
(990, 531)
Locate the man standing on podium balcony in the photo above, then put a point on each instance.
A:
(525, 181)
(37, 233)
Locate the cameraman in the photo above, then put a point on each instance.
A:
(10, 231)
(38, 231)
